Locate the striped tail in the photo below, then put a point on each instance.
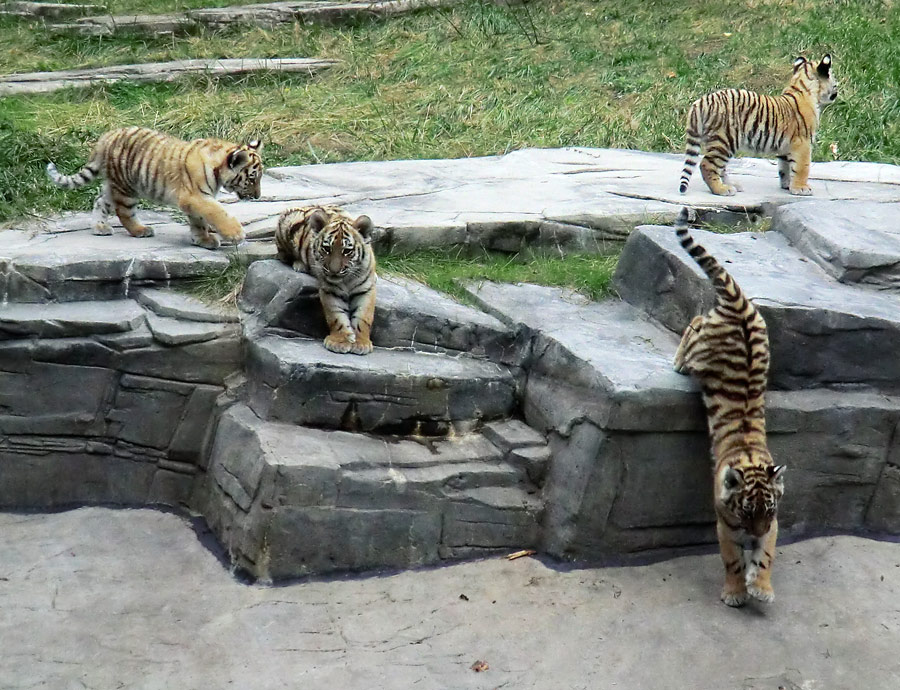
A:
(728, 293)
(692, 148)
(79, 179)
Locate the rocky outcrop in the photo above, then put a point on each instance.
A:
(45, 82)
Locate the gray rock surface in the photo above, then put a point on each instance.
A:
(69, 320)
(133, 597)
(630, 468)
(821, 332)
(45, 82)
(171, 331)
(266, 15)
(183, 306)
(407, 314)
(299, 381)
(856, 242)
(288, 501)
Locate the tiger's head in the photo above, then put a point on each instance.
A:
(749, 491)
(243, 170)
(817, 80)
(340, 244)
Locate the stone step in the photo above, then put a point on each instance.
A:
(630, 468)
(854, 241)
(822, 332)
(288, 500)
(407, 314)
(391, 391)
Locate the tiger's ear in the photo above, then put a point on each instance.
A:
(238, 158)
(776, 473)
(255, 144)
(731, 480)
(799, 62)
(318, 220)
(824, 67)
(364, 226)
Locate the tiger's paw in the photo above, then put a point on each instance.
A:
(734, 598)
(142, 231)
(340, 343)
(208, 242)
(103, 229)
(805, 190)
(761, 591)
(362, 346)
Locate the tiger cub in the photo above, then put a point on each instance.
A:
(328, 244)
(726, 121)
(140, 163)
(728, 351)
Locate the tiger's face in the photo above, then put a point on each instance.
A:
(817, 79)
(244, 171)
(749, 493)
(340, 246)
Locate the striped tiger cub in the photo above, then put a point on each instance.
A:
(328, 244)
(728, 351)
(723, 122)
(140, 163)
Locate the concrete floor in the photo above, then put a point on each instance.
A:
(98, 598)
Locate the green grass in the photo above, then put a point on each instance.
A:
(589, 274)
(476, 79)
(221, 285)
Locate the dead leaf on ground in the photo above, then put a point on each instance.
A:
(480, 666)
(521, 554)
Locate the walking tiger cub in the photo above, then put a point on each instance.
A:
(723, 122)
(140, 163)
(728, 351)
(328, 244)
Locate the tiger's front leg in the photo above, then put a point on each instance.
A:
(212, 213)
(341, 337)
(734, 593)
(362, 309)
(200, 234)
(801, 159)
(759, 575)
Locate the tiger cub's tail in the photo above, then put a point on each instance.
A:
(728, 293)
(84, 176)
(692, 146)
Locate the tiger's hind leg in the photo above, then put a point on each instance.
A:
(125, 206)
(734, 593)
(712, 167)
(758, 578)
(685, 347)
(200, 234)
(103, 209)
(784, 172)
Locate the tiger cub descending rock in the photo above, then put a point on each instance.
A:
(328, 244)
(140, 163)
(728, 351)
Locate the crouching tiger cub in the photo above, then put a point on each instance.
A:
(723, 122)
(728, 351)
(328, 244)
(140, 163)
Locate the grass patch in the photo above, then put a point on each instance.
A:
(589, 274)
(221, 285)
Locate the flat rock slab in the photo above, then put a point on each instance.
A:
(171, 331)
(266, 15)
(69, 263)
(45, 82)
(289, 501)
(69, 320)
(822, 332)
(856, 242)
(153, 587)
(52, 10)
(562, 200)
(407, 314)
(182, 306)
(299, 381)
